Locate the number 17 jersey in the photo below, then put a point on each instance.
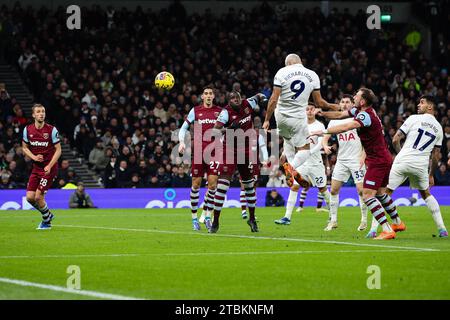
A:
(423, 132)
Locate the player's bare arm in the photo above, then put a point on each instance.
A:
(321, 103)
(398, 137)
(335, 114)
(434, 160)
(362, 160)
(337, 129)
(326, 148)
(272, 104)
(29, 154)
(55, 158)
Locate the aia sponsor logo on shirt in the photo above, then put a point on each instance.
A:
(346, 136)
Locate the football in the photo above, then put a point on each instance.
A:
(164, 80)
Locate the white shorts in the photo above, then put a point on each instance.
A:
(418, 176)
(342, 171)
(293, 130)
(314, 174)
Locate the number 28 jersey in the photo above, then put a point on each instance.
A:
(296, 83)
(423, 132)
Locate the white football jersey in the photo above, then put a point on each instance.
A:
(316, 156)
(350, 147)
(423, 132)
(296, 83)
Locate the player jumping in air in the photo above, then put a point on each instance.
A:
(292, 87)
(350, 162)
(313, 170)
(236, 153)
(378, 159)
(41, 143)
(423, 136)
(204, 116)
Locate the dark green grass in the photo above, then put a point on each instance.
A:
(162, 258)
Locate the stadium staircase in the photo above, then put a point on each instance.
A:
(16, 87)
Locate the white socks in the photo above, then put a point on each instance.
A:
(334, 204)
(363, 207)
(292, 200)
(435, 211)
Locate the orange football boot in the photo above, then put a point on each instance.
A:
(292, 174)
(399, 227)
(386, 235)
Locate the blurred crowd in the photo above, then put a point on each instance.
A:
(97, 83)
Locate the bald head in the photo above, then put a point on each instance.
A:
(292, 58)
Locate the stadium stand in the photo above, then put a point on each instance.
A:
(97, 84)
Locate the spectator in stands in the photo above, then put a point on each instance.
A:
(274, 199)
(110, 179)
(5, 181)
(97, 157)
(180, 179)
(80, 199)
(277, 179)
(136, 181)
(123, 175)
(442, 176)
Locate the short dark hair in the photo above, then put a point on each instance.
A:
(208, 87)
(368, 96)
(348, 96)
(430, 99)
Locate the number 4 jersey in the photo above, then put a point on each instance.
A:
(423, 132)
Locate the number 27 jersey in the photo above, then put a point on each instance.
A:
(423, 132)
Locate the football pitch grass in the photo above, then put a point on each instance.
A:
(154, 254)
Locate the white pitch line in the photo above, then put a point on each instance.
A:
(88, 293)
(251, 237)
(196, 254)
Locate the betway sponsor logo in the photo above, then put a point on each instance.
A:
(204, 121)
(39, 143)
(242, 121)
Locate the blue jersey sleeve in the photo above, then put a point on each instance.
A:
(25, 135)
(191, 116)
(223, 117)
(364, 119)
(352, 112)
(252, 102)
(55, 136)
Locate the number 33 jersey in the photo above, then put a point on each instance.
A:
(423, 132)
(296, 83)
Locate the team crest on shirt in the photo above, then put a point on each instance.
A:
(31, 136)
(216, 114)
(200, 114)
(46, 135)
(233, 117)
(246, 111)
(195, 171)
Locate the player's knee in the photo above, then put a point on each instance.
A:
(212, 185)
(425, 193)
(196, 184)
(31, 200)
(334, 191)
(295, 187)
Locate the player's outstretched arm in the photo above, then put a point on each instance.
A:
(321, 103)
(181, 135)
(398, 137)
(272, 104)
(337, 129)
(334, 114)
(325, 145)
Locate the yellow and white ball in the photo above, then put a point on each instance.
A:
(164, 80)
